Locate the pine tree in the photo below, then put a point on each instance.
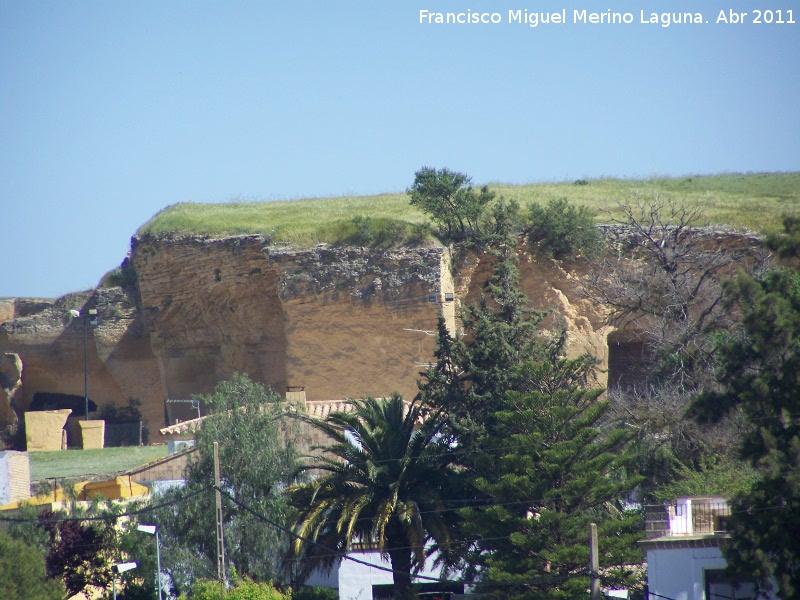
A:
(526, 430)
(554, 471)
(476, 366)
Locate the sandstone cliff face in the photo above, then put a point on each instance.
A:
(50, 345)
(551, 285)
(211, 308)
(340, 322)
(331, 320)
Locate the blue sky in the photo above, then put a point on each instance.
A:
(112, 110)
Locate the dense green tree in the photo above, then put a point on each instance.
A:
(552, 473)
(79, 553)
(257, 460)
(760, 375)
(22, 572)
(526, 429)
(384, 481)
(449, 199)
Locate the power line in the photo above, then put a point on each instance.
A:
(659, 596)
(310, 541)
(330, 552)
(108, 516)
(550, 579)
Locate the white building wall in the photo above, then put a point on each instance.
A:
(678, 572)
(15, 476)
(355, 580)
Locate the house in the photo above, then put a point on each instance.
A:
(684, 560)
(362, 574)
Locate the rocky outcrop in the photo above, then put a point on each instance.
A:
(329, 319)
(10, 385)
(118, 360)
(335, 321)
(355, 319)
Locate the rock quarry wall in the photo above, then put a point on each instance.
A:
(339, 322)
(120, 363)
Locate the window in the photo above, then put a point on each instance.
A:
(720, 586)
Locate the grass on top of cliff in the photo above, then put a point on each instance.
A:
(752, 201)
(80, 463)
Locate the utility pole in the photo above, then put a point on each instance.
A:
(89, 318)
(594, 563)
(220, 539)
(85, 370)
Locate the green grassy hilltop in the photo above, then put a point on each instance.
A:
(86, 463)
(751, 201)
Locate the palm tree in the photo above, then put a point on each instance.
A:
(384, 483)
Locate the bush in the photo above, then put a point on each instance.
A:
(243, 589)
(123, 276)
(786, 244)
(315, 593)
(368, 231)
(564, 231)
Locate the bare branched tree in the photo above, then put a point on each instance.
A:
(661, 280)
(665, 440)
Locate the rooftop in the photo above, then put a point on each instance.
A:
(700, 520)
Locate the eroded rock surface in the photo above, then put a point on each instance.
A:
(10, 385)
(340, 322)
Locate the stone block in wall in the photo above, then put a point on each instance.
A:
(15, 476)
(93, 433)
(43, 429)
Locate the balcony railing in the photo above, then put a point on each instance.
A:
(686, 517)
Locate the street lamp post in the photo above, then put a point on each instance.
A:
(121, 568)
(88, 319)
(153, 530)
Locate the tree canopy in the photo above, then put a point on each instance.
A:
(449, 199)
(257, 460)
(528, 437)
(760, 375)
(22, 572)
